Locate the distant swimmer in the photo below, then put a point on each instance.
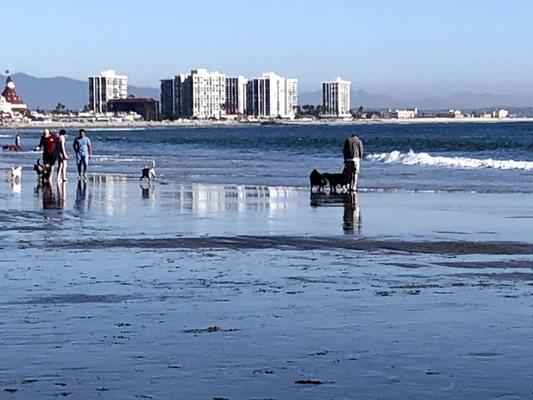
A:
(353, 153)
(84, 151)
(13, 147)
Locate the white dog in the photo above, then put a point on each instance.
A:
(148, 172)
(16, 173)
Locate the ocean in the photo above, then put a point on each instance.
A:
(473, 157)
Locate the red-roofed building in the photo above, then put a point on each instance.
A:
(11, 101)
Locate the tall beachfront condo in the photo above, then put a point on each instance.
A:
(236, 95)
(336, 97)
(168, 107)
(104, 87)
(272, 96)
(201, 94)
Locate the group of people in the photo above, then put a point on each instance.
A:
(55, 150)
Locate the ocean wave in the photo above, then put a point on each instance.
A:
(412, 158)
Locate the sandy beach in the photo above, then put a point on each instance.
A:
(116, 289)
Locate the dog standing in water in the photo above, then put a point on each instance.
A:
(148, 172)
(16, 174)
(40, 170)
(317, 179)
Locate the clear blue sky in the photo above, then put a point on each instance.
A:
(401, 47)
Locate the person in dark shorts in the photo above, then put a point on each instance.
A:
(353, 153)
(48, 143)
(84, 151)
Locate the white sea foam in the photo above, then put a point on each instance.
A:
(412, 158)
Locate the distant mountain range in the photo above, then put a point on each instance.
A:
(45, 93)
(459, 100)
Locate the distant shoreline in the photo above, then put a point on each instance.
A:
(203, 123)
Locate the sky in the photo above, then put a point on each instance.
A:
(408, 48)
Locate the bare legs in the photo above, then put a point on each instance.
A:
(62, 171)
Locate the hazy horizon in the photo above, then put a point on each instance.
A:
(407, 49)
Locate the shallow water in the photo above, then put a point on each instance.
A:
(445, 157)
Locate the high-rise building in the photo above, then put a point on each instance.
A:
(336, 97)
(183, 96)
(236, 95)
(104, 87)
(168, 108)
(201, 94)
(272, 96)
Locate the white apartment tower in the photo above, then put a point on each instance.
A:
(104, 87)
(336, 97)
(200, 94)
(208, 94)
(272, 96)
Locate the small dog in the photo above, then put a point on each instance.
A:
(335, 180)
(16, 174)
(148, 172)
(317, 179)
(40, 170)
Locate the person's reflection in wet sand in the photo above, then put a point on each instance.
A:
(351, 219)
(82, 202)
(61, 194)
(50, 199)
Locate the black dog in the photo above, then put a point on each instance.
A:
(317, 179)
(148, 172)
(40, 170)
(335, 180)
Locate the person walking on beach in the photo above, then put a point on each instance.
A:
(84, 151)
(353, 153)
(48, 143)
(62, 157)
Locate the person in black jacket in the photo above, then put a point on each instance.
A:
(353, 153)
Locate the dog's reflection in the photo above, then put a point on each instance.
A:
(54, 196)
(147, 191)
(16, 187)
(351, 218)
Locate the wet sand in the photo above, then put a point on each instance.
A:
(118, 290)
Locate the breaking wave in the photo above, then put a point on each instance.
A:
(412, 158)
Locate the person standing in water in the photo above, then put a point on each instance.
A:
(48, 143)
(62, 157)
(84, 151)
(353, 153)
(18, 144)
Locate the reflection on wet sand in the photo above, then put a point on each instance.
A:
(208, 199)
(110, 190)
(54, 196)
(16, 187)
(351, 218)
(83, 200)
(147, 191)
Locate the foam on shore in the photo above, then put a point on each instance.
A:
(422, 158)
